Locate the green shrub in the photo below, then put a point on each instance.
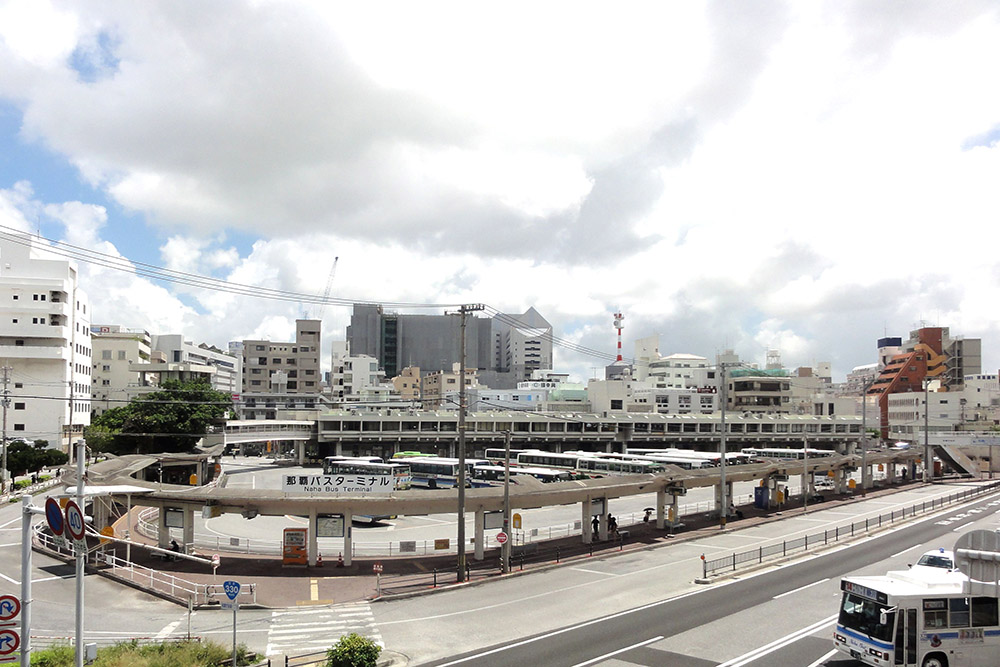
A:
(353, 650)
(133, 654)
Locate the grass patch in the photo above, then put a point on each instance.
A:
(133, 654)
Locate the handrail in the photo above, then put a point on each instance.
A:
(756, 556)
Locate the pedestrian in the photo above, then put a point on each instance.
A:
(596, 523)
(645, 518)
(612, 524)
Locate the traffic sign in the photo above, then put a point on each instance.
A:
(54, 515)
(232, 589)
(10, 607)
(501, 537)
(377, 568)
(9, 641)
(74, 520)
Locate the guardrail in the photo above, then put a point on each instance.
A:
(146, 525)
(780, 549)
(124, 570)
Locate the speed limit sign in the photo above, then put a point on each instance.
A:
(74, 520)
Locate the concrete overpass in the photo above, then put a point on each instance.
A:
(177, 504)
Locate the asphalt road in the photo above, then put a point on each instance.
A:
(779, 616)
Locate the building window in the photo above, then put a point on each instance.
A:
(19, 406)
(105, 354)
(121, 355)
(18, 427)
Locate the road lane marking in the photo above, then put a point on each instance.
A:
(779, 643)
(822, 660)
(606, 574)
(905, 550)
(800, 588)
(621, 650)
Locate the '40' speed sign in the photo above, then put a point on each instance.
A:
(74, 520)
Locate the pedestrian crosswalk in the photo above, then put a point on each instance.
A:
(300, 631)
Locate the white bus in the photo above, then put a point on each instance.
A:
(587, 463)
(917, 619)
(710, 458)
(492, 475)
(784, 454)
(658, 457)
(346, 465)
(438, 472)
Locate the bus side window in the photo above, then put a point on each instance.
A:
(984, 613)
(958, 612)
(936, 613)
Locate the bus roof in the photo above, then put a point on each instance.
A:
(928, 581)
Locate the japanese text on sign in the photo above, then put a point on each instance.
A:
(356, 484)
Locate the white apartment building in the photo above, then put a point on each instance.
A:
(298, 360)
(681, 370)
(352, 374)
(228, 375)
(974, 408)
(116, 348)
(45, 342)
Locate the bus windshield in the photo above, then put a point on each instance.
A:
(866, 616)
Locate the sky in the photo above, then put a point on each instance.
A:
(800, 176)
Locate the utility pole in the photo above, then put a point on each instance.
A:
(805, 473)
(864, 437)
(928, 463)
(463, 311)
(6, 403)
(505, 547)
(723, 500)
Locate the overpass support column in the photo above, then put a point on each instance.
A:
(162, 532)
(839, 479)
(585, 520)
(300, 452)
(718, 496)
(312, 548)
(348, 539)
(480, 527)
(661, 501)
(675, 511)
(602, 530)
(188, 530)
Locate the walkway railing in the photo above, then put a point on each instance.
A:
(756, 556)
(147, 525)
(124, 570)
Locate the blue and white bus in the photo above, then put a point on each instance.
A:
(438, 472)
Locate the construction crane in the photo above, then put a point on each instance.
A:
(329, 285)
(326, 293)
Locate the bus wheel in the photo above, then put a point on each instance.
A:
(935, 660)
(432, 484)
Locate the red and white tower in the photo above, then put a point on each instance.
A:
(618, 325)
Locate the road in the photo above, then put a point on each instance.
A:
(625, 601)
(779, 616)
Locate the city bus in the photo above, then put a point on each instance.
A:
(492, 475)
(438, 472)
(656, 456)
(588, 463)
(784, 454)
(497, 456)
(916, 618)
(710, 458)
(346, 465)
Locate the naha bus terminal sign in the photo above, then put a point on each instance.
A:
(355, 484)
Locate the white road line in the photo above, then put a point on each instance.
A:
(621, 650)
(822, 660)
(778, 643)
(606, 574)
(167, 630)
(905, 550)
(800, 588)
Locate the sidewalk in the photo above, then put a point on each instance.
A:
(279, 586)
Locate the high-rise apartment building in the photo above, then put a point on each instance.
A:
(296, 363)
(44, 342)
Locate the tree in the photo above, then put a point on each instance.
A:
(353, 650)
(170, 420)
(27, 457)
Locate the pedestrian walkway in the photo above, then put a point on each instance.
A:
(277, 586)
(303, 631)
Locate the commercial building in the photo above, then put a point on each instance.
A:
(45, 343)
(116, 349)
(227, 376)
(297, 362)
(505, 349)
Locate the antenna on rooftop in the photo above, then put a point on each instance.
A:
(618, 325)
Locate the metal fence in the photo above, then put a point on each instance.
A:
(147, 525)
(779, 549)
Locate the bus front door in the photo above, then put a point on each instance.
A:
(906, 638)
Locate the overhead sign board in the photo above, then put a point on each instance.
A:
(74, 520)
(354, 484)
